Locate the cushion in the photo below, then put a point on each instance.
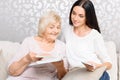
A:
(2, 67)
(83, 74)
(8, 50)
(119, 66)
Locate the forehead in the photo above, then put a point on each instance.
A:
(54, 23)
(79, 10)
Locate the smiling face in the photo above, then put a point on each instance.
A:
(78, 16)
(49, 26)
(52, 31)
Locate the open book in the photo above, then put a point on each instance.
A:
(46, 59)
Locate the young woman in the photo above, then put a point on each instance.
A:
(45, 43)
(84, 43)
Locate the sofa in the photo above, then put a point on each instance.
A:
(8, 49)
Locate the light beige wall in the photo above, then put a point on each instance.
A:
(19, 18)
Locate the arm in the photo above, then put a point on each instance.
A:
(61, 71)
(18, 67)
(22, 59)
(91, 66)
(62, 65)
(107, 65)
(102, 53)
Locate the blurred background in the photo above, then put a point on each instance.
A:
(19, 18)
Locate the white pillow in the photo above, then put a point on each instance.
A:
(83, 74)
(2, 67)
(9, 49)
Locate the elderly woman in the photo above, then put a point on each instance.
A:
(44, 43)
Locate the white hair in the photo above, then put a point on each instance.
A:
(46, 19)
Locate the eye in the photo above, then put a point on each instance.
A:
(81, 16)
(51, 26)
(73, 12)
(58, 27)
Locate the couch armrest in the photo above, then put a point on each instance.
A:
(111, 48)
(119, 66)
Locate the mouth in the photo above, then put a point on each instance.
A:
(75, 22)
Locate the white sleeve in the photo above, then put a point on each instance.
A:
(100, 49)
(62, 51)
(65, 60)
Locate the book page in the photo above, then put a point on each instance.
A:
(46, 59)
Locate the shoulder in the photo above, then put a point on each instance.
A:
(28, 39)
(96, 33)
(60, 43)
(97, 36)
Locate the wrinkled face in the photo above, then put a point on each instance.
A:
(52, 31)
(78, 16)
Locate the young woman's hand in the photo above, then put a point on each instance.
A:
(60, 69)
(91, 66)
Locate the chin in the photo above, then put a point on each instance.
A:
(75, 25)
(53, 38)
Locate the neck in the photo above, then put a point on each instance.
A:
(82, 31)
(45, 44)
(81, 28)
(45, 40)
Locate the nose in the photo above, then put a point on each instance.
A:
(56, 30)
(75, 17)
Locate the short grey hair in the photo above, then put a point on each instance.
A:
(46, 19)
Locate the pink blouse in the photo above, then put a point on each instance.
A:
(44, 71)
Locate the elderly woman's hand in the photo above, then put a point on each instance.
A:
(31, 57)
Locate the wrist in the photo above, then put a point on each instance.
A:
(26, 60)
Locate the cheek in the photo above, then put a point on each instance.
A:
(82, 20)
(72, 16)
(48, 31)
(59, 30)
